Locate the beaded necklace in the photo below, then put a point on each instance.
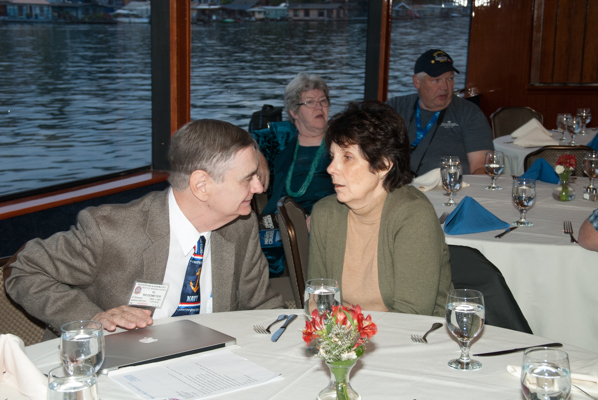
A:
(310, 175)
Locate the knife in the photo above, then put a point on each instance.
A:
(500, 353)
(505, 232)
(283, 327)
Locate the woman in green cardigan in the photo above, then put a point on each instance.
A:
(378, 236)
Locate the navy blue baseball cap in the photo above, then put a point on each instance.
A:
(434, 62)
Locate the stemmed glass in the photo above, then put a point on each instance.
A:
(524, 194)
(573, 127)
(586, 117)
(321, 294)
(451, 172)
(590, 167)
(82, 342)
(465, 314)
(494, 164)
(561, 124)
(545, 374)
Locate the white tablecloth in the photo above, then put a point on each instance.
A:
(554, 281)
(514, 155)
(393, 367)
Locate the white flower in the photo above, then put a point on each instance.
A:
(348, 356)
(559, 169)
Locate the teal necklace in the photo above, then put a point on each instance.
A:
(310, 175)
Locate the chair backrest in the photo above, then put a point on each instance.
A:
(471, 270)
(258, 202)
(295, 241)
(506, 120)
(552, 153)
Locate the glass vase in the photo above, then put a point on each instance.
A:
(339, 387)
(563, 191)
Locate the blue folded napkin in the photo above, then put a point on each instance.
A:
(471, 217)
(541, 171)
(594, 143)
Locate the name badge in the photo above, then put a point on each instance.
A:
(148, 294)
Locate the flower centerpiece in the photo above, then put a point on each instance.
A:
(565, 164)
(340, 338)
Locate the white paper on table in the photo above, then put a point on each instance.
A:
(531, 125)
(193, 378)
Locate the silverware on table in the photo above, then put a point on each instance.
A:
(568, 228)
(505, 232)
(501, 352)
(442, 218)
(584, 392)
(422, 339)
(266, 331)
(281, 330)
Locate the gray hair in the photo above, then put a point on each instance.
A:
(300, 84)
(421, 75)
(206, 144)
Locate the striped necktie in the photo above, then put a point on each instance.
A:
(190, 301)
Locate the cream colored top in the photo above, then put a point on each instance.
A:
(360, 268)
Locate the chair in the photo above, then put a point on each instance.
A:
(295, 241)
(506, 120)
(258, 202)
(471, 270)
(14, 318)
(552, 153)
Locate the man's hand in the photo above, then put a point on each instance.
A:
(263, 171)
(124, 317)
(476, 162)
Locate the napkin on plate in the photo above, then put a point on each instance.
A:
(471, 217)
(430, 180)
(594, 143)
(18, 370)
(541, 170)
(531, 125)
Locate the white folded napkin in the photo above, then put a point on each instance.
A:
(587, 372)
(430, 180)
(532, 124)
(18, 370)
(533, 134)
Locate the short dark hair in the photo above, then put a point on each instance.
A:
(205, 144)
(380, 133)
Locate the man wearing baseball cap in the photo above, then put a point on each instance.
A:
(440, 123)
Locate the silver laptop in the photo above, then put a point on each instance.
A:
(159, 343)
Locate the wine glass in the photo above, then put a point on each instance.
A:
(82, 342)
(524, 194)
(451, 172)
(80, 382)
(561, 124)
(590, 167)
(586, 117)
(573, 127)
(321, 294)
(545, 374)
(494, 163)
(465, 314)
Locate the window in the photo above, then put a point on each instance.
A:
(306, 13)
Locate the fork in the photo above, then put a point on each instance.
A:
(568, 228)
(442, 218)
(266, 331)
(422, 339)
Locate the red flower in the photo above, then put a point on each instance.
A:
(368, 328)
(567, 161)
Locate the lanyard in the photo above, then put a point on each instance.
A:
(418, 124)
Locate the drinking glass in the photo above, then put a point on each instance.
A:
(321, 294)
(573, 127)
(590, 167)
(545, 374)
(561, 124)
(586, 117)
(494, 164)
(78, 383)
(451, 172)
(465, 314)
(82, 342)
(524, 194)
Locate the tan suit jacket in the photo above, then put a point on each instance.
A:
(76, 274)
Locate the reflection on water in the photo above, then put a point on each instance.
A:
(80, 96)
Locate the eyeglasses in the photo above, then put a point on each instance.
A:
(312, 103)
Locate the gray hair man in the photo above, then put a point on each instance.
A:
(101, 267)
(440, 123)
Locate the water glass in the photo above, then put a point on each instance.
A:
(78, 383)
(465, 315)
(590, 167)
(494, 163)
(561, 124)
(586, 116)
(523, 196)
(321, 294)
(573, 127)
(451, 172)
(545, 374)
(82, 342)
